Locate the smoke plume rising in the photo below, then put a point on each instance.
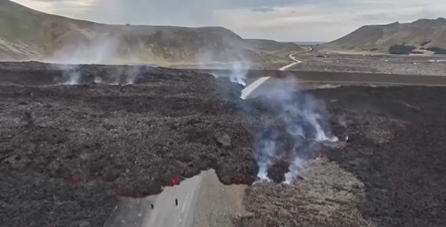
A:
(101, 49)
(238, 73)
(343, 122)
(239, 67)
(295, 135)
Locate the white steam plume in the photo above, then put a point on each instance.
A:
(294, 170)
(238, 73)
(239, 68)
(71, 74)
(304, 117)
(266, 150)
(343, 122)
(70, 56)
(100, 49)
(126, 75)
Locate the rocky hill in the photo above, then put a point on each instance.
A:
(423, 33)
(272, 45)
(30, 34)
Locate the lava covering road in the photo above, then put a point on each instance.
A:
(66, 151)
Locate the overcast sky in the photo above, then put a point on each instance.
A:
(282, 20)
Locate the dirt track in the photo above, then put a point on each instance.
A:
(101, 140)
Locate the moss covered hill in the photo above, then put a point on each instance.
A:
(423, 33)
(273, 46)
(27, 33)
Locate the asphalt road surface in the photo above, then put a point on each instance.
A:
(267, 78)
(160, 210)
(166, 213)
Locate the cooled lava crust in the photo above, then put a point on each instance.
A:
(101, 140)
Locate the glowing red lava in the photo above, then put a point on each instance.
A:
(174, 180)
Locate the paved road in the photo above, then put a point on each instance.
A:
(165, 212)
(338, 78)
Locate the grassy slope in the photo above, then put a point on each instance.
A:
(26, 32)
(18, 27)
(381, 37)
(271, 45)
(275, 52)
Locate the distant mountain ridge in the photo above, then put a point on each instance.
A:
(29, 34)
(309, 43)
(420, 33)
(271, 45)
